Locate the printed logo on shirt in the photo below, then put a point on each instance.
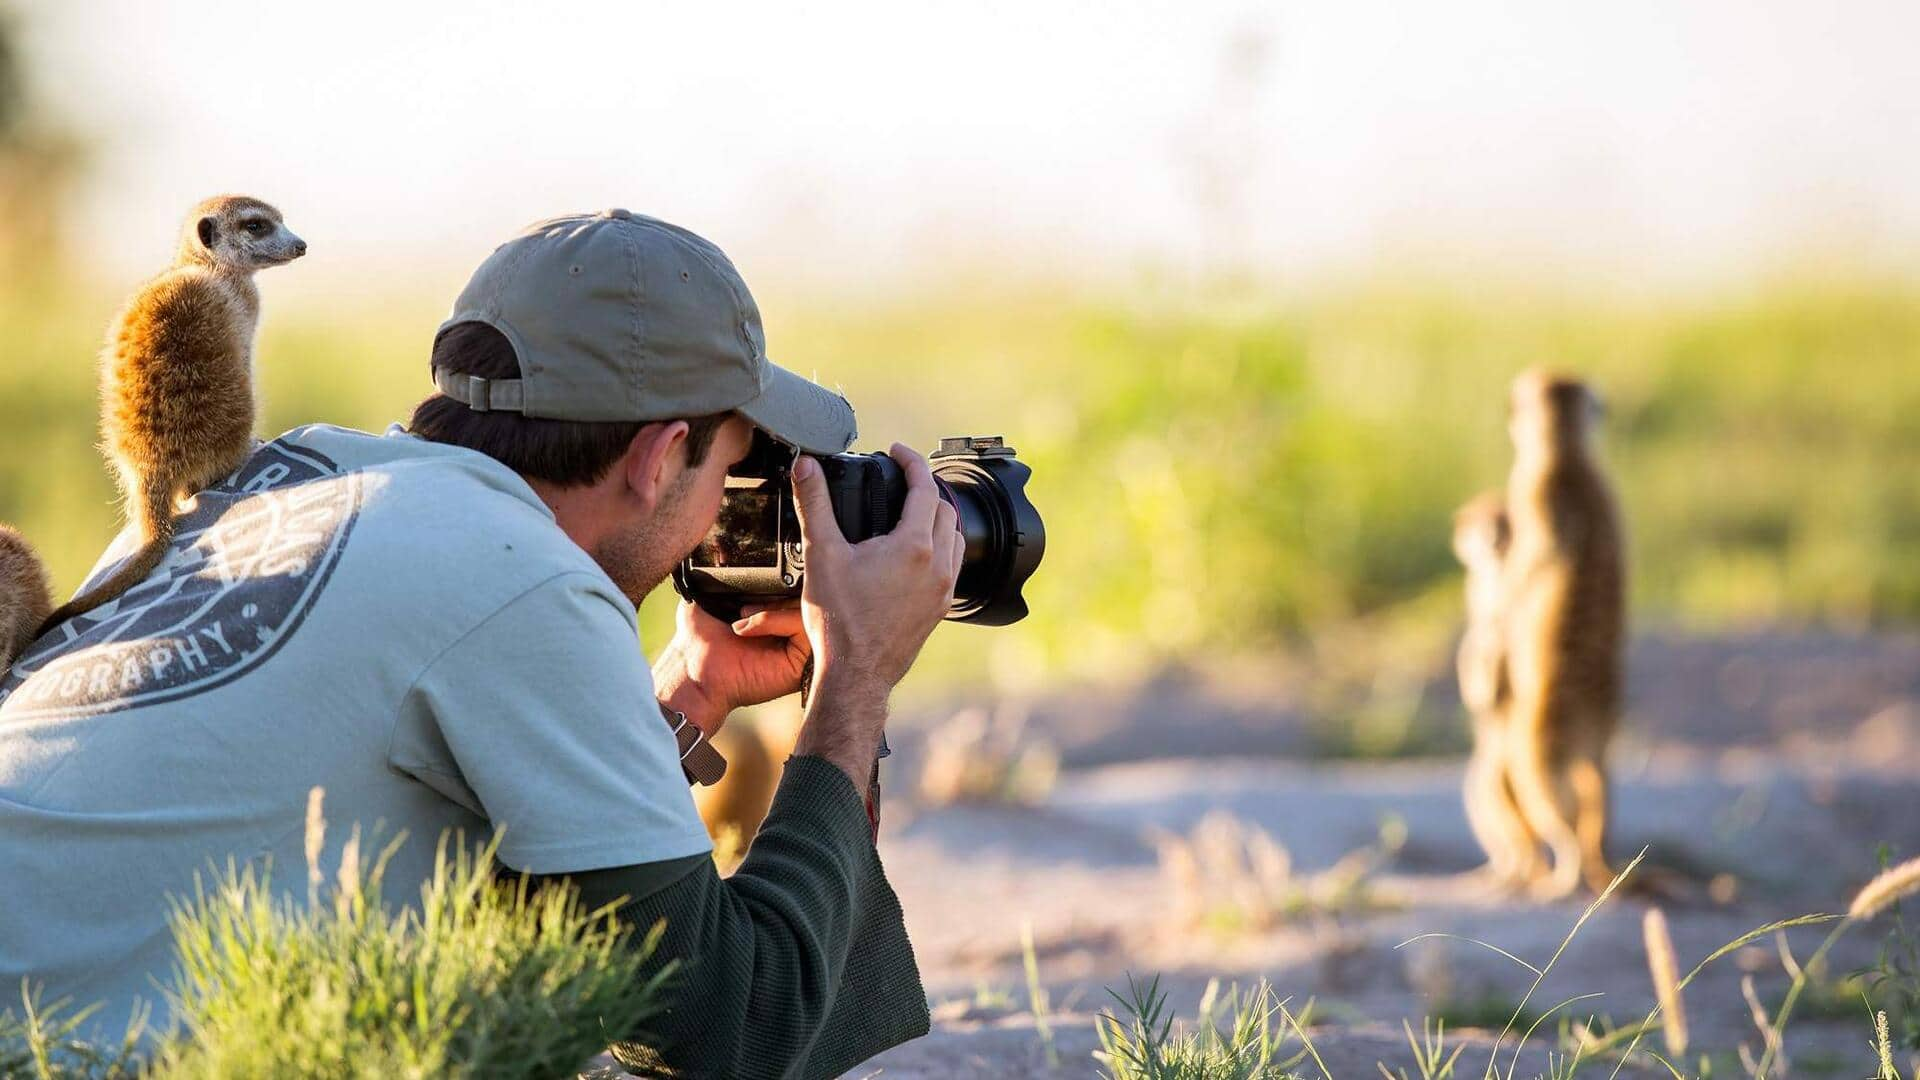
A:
(244, 568)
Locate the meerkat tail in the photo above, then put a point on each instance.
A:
(131, 573)
(154, 510)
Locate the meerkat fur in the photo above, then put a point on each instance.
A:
(740, 799)
(1564, 589)
(176, 383)
(26, 596)
(1480, 539)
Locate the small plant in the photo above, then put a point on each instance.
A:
(1233, 876)
(977, 757)
(1489, 1010)
(1145, 1045)
(1037, 999)
(485, 979)
(1894, 978)
(1430, 1057)
(43, 1044)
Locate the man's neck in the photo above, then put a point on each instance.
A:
(575, 510)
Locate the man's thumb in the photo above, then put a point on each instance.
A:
(812, 506)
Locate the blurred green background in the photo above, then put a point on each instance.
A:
(1230, 464)
(1241, 477)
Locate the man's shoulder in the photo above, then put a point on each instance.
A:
(445, 521)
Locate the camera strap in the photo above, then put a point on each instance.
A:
(698, 759)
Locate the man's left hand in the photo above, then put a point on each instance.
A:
(712, 668)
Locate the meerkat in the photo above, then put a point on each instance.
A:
(1564, 589)
(1480, 538)
(740, 799)
(176, 383)
(26, 595)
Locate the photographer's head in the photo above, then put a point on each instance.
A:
(618, 364)
(635, 494)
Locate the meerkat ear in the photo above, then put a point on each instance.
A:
(206, 232)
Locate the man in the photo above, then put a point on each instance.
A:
(437, 627)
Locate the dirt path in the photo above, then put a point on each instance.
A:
(1770, 767)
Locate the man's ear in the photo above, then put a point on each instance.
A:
(654, 460)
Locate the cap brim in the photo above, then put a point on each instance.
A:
(802, 414)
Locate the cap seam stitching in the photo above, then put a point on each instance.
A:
(739, 304)
(637, 293)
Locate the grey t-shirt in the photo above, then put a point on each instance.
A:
(398, 622)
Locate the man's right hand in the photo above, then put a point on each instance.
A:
(868, 608)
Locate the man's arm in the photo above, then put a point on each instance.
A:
(797, 965)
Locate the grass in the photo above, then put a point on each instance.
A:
(44, 1042)
(977, 757)
(1141, 1041)
(1232, 877)
(482, 978)
(1234, 477)
(1235, 1037)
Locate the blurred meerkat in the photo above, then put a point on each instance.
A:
(176, 381)
(1480, 539)
(1565, 601)
(26, 595)
(739, 801)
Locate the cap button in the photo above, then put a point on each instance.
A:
(618, 213)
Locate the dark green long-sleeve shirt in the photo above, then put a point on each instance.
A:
(797, 965)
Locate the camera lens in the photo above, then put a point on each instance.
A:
(753, 553)
(1005, 537)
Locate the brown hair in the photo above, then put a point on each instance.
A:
(570, 453)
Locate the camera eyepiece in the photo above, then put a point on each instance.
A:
(753, 554)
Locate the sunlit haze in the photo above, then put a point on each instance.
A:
(861, 144)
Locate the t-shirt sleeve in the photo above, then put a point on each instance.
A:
(542, 720)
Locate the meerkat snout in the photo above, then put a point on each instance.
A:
(240, 235)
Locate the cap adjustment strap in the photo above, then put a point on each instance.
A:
(482, 395)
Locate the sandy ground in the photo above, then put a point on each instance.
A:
(1759, 773)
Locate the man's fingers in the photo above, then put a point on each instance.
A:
(781, 622)
(959, 553)
(818, 529)
(755, 609)
(946, 523)
(916, 515)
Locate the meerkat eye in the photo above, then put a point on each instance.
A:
(257, 228)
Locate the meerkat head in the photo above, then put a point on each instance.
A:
(1551, 414)
(238, 234)
(1481, 530)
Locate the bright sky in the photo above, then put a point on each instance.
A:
(861, 142)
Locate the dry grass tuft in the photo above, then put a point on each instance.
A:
(1666, 979)
(1893, 883)
(1232, 875)
(980, 757)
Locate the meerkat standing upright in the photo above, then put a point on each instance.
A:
(25, 596)
(1480, 539)
(1565, 596)
(176, 382)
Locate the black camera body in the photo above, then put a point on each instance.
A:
(753, 554)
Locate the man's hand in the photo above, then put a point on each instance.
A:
(711, 668)
(867, 609)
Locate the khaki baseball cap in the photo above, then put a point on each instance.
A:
(619, 316)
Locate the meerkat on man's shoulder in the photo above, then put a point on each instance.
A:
(176, 377)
